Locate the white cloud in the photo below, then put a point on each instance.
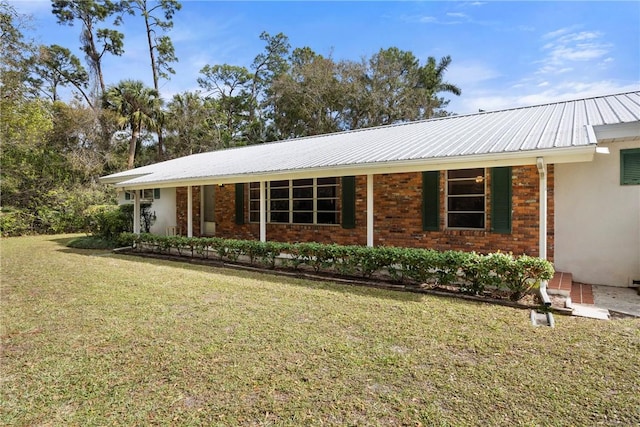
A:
(566, 47)
(469, 74)
(525, 95)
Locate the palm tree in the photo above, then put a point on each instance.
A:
(431, 82)
(137, 107)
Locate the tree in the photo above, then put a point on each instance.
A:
(57, 66)
(308, 100)
(161, 50)
(230, 89)
(266, 66)
(192, 125)
(391, 82)
(137, 109)
(95, 42)
(16, 57)
(431, 82)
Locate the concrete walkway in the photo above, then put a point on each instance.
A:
(618, 300)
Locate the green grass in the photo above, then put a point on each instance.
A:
(94, 338)
(90, 242)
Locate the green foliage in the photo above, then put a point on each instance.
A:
(107, 221)
(471, 272)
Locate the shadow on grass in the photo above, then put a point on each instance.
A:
(242, 271)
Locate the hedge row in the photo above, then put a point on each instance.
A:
(470, 271)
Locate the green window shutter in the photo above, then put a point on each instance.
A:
(630, 167)
(501, 200)
(348, 202)
(431, 200)
(156, 193)
(240, 203)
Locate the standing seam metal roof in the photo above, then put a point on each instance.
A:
(523, 129)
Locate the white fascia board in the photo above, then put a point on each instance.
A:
(617, 131)
(519, 158)
(115, 179)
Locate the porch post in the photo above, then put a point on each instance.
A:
(201, 210)
(542, 173)
(370, 210)
(263, 211)
(189, 211)
(136, 211)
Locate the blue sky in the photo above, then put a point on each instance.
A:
(505, 54)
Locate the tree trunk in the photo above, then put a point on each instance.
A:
(132, 149)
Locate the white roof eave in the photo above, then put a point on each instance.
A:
(517, 158)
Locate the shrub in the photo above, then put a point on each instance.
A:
(470, 271)
(15, 222)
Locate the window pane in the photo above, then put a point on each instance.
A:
(327, 218)
(255, 185)
(466, 204)
(466, 220)
(303, 182)
(279, 205)
(279, 193)
(279, 184)
(327, 205)
(465, 173)
(303, 217)
(465, 187)
(327, 191)
(327, 181)
(303, 193)
(279, 216)
(254, 217)
(303, 205)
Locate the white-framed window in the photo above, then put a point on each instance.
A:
(466, 198)
(297, 201)
(146, 195)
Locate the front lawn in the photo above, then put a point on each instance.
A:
(94, 338)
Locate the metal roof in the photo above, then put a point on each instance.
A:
(554, 129)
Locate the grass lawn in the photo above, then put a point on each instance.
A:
(94, 338)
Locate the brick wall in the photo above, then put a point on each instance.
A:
(397, 217)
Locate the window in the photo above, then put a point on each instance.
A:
(297, 201)
(466, 198)
(147, 195)
(630, 166)
(209, 196)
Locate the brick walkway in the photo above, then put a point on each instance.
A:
(581, 293)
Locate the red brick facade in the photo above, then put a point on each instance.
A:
(397, 217)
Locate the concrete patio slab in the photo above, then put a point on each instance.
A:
(619, 300)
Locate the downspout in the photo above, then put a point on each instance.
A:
(542, 244)
(370, 210)
(263, 211)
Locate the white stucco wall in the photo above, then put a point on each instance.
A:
(597, 220)
(165, 209)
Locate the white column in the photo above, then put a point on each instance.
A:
(201, 210)
(189, 211)
(263, 211)
(370, 210)
(136, 211)
(542, 173)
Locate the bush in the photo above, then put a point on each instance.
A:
(15, 222)
(469, 271)
(106, 221)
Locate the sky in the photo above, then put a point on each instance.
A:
(504, 54)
